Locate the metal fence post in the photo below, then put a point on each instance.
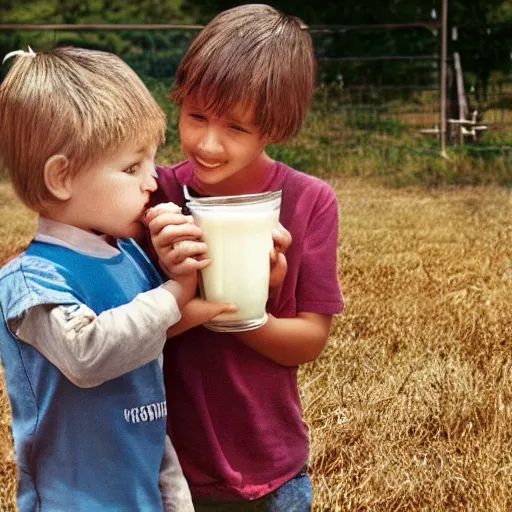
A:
(444, 55)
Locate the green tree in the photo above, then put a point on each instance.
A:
(484, 38)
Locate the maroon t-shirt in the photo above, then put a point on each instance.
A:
(234, 416)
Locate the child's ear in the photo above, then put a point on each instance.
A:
(57, 177)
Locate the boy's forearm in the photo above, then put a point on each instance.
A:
(290, 341)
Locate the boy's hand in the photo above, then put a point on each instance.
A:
(278, 264)
(198, 312)
(176, 239)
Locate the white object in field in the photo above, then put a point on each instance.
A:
(467, 127)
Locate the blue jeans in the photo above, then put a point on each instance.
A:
(295, 495)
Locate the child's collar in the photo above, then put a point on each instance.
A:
(65, 235)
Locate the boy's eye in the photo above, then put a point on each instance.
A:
(238, 128)
(198, 117)
(132, 169)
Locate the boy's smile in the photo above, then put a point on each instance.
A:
(227, 152)
(208, 165)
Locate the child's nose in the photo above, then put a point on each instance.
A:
(210, 143)
(150, 183)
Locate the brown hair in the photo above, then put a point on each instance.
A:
(256, 56)
(71, 101)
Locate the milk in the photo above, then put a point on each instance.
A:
(239, 239)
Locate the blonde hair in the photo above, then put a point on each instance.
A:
(71, 101)
(256, 56)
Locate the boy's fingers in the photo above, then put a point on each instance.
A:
(202, 263)
(273, 256)
(170, 233)
(171, 257)
(187, 266)
(210, 310)
(198, 312)
(282, 238)
(189, 248)
(178, 252)
(166, 207)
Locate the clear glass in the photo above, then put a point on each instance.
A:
(238, 232)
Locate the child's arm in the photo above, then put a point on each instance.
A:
(290, 341)
(173, 486)
(90, 349)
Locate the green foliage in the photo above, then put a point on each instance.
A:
(372, 121)
(380, 145)
(300, 158)
(103, 41)
(93, 11)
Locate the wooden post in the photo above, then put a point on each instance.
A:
(444, 56)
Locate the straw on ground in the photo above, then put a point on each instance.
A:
(410, 405)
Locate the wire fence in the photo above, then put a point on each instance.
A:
(377, 100)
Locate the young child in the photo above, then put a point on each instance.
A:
(84, 316)
(247, 81)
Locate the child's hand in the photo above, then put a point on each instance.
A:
(278, 264)
(176, 239)
(198, 312)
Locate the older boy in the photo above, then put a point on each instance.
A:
(247, 81)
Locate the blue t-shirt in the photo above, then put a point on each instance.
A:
(95, 449)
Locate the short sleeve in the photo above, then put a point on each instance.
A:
(318, 287)
(31, 281)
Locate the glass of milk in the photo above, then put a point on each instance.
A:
(238, 232)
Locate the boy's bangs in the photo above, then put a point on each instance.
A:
(219, 90)
(149, 129)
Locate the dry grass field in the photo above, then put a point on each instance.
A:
(410, 405)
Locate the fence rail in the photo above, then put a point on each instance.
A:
(96, 26)
(164, 26)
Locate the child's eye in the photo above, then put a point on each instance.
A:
(198, 117)
(238, 128)
(131, 170)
